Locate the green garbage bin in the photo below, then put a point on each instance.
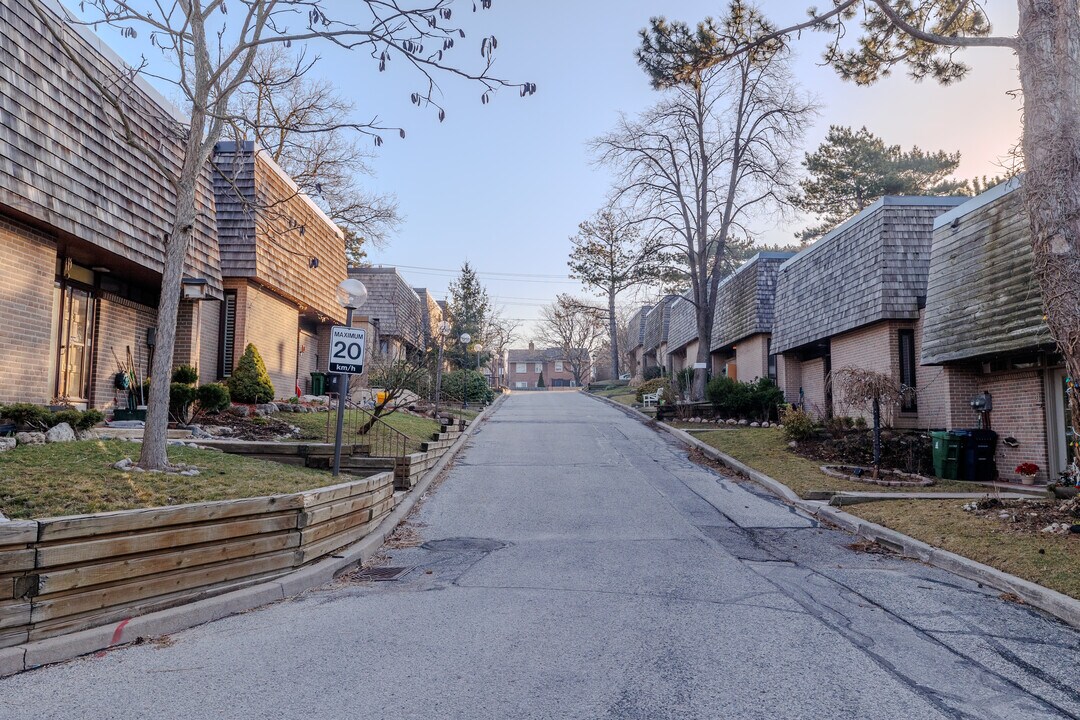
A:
(947, 448)
(318, 383)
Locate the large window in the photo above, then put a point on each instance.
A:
(907, 370)
(539, 368)
(227, 352)
(558, 366)
(771, 360)
(522, 367)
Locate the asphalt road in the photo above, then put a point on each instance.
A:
(576, 565)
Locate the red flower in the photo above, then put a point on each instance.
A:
(1027, 468)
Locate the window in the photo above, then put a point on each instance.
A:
(521, 385)
(227, 335)
(558, 366)
(522, 368)
(539, 368)
(907, 370)
(772, 360)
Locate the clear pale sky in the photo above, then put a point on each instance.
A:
(504, 185)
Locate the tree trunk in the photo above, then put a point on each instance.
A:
(877, 437)
(613, 335)
(155, 433)
(1049, 53)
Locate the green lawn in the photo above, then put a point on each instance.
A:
(623, 395)
(77, 478)
(766, 450)
(1049, 560)
(313, 426)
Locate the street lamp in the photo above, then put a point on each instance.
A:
(465, 338)
(444, 332)
(351, 294)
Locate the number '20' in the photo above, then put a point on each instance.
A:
(349, 350)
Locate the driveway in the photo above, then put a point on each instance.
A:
(575, 564)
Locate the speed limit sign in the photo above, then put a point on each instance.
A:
(346, 350)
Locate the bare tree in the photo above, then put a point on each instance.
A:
(500, 333)
(310, 130)
(714, 154)
(871, 391)
(575, 329)
(927, 36)
(610, 255)
(207, 60)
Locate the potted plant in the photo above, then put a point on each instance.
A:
(1027, 472)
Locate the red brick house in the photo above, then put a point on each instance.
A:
(984, 332)
(855, 299)
(524, 367)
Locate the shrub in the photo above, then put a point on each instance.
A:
(540, 380)
(466, 385)
(250, 383)
(650, 386)
(729, 397)
(27, 415)
(72, 417)
(89, 419)
(181, 398)
(685, 378)
(186, 374)
(212, 398)
(651, 373)
(798, 424)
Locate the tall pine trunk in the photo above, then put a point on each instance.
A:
(1049, 55)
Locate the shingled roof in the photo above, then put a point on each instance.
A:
(982, 298)
(682, 329)
(658, 322)
(873, 267)
(746, 300)
(636, 327)
(392, 302)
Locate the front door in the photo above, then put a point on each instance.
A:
(1062, 435)
(76, 336)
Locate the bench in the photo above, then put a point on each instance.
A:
(650, 399)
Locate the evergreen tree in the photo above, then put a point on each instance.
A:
(852, 169)
(470, 312)
(540, 380)
(249, 382)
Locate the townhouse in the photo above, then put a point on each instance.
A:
(984, 332)
(742, 345)
(855, 298)
(393, 313)
(636, 339)
(682, 346)
(655, 342)
(525, 366)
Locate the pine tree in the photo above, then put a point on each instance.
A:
(250, 383)
(540, 381)
(470, 312)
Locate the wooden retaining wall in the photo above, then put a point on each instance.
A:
(60, 575)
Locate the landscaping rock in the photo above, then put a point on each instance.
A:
(743, 423)
(7, 443)
(766, 424)
(60, 433)
(198, 432)
(732, 422)
(755, 424)
(124, 464)
(240, 410)
(793, 445)
(88, 434)
(189, 473)
(265, 409)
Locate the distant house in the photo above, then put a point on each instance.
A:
(431, 315)
(393, 314)
(636, 337)
(682, 346)
(524, 367)
(855, 299)
(984, 330)
(742, 346)
(81, 221)
(282, 259)
(657, 325)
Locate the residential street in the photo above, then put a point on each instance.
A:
(578, 565)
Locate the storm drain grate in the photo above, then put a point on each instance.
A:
(381, 574)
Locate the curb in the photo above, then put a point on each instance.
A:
(1052, 602)
(31, 655)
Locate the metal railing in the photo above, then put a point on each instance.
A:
(365, 433)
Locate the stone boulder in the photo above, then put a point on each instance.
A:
(264, 409)
(30, 438)
(755, 424)
(240, 410)
(7, 443)
(60, 433)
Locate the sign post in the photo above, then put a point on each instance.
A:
(347, 345)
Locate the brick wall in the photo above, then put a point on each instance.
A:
(930, 387)
(121, 325)
(789, 376)
(26, 295)
(306, 361)
(751, 358)
(813, 386)
(188, 327)
(271, 324)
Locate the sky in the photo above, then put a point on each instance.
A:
(504, 185)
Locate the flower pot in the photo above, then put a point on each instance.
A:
(1027, 479)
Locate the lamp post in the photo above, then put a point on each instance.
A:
(444, 332)
(465, 338)
(351, 294)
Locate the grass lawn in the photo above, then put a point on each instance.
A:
(77, 478)
(313, 426)
(1049, 560)
(623, 395)
(766, 450)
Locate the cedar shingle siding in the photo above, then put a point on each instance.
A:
(982, 297)
(65, 168)
(745, 301)
(393, 303)
(657, 323)
(872, 268)
(683, 326)
(269, 231)
(637, 327)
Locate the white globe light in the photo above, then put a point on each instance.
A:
(465, 338)
(351, 293)
(444, 328)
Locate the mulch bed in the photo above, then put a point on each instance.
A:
(1030, 517)
(251, 428)
(885, 478)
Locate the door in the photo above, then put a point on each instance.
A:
(1062, 435)
(75, 344)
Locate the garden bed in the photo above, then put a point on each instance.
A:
(885, 478)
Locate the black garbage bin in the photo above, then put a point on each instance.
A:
(977, 456)
(333, 384)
